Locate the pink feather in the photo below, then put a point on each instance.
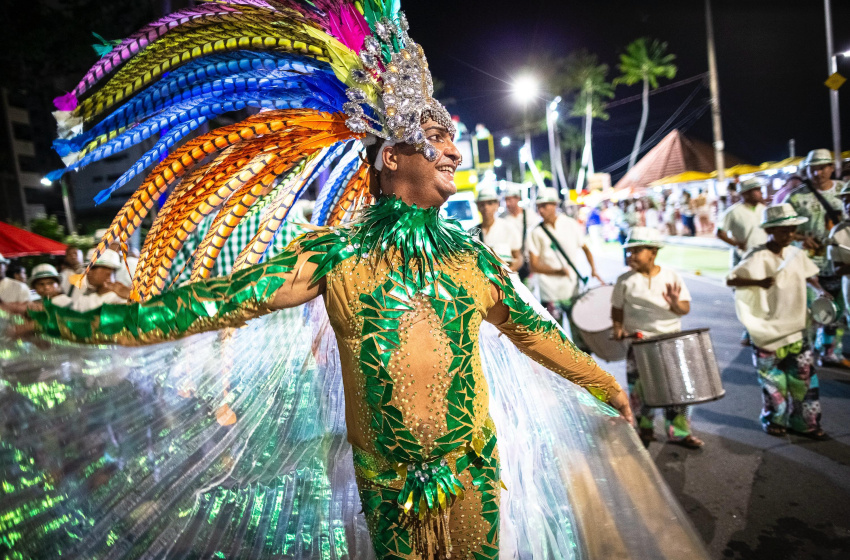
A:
(349, 26)
(67, 102)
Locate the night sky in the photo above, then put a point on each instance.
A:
(771, 59)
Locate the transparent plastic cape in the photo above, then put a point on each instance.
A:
(232, 445)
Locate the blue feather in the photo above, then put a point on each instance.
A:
(339, 178)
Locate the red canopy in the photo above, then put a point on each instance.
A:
(16, 242)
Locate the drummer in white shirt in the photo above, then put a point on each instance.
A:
(497, 233)
(838, 249)
(524, 220)
(770, 301)
(100, 286)
(740, 225)
(555, 248)
(650, 300)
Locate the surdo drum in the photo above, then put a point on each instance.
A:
(678, 368)
(591, 314)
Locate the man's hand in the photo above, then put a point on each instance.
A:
(810, 243)
(596, 275)
(742, 246)
(766, 283)
(120, 289)
(621, 402)
(618, 331)
(671, 296)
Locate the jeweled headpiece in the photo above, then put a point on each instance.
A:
(317, 79)
(395, 92)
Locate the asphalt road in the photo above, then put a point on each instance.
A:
(753, 496)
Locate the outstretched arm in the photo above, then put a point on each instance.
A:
(283, 281)
(543, 341)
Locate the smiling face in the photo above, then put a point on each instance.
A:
(414, 179)
(641, 258)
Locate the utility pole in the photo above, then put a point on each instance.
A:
(832, 66)
(554, 153)
(719, 160)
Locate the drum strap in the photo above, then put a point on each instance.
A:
(833, 216)
(563, 253)
(524, 231)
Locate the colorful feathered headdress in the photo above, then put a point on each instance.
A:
(324, 77)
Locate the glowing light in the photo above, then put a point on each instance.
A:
(506, 141)
(497, 163)
(525, 89)
(46, 182)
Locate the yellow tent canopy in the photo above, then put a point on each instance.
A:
(734, 171)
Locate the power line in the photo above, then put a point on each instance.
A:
(663, 129)
(657, 90)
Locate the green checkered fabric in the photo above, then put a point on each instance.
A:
(240, 237)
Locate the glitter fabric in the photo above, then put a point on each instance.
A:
(226, 443)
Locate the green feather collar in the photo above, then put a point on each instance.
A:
(424, 239)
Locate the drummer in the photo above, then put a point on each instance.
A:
(771, 303)
(650, 300)
(838, 249)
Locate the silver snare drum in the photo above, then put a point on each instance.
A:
(824, 311)
(678, 369)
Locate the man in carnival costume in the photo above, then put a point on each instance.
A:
(405, 291)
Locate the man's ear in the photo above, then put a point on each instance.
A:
(390, 158)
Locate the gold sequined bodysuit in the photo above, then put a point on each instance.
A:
(406, 293)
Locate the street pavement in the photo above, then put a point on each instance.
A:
(753, 496)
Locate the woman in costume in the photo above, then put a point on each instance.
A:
(405, 291)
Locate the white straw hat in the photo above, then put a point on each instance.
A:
(486, 194)
(750, 184)
(513, 191)
(109, 259)
(547, 195)
(782, 215)
(644, 237)
(818, 157)
(44, 271)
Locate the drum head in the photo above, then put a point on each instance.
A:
(592, 311)
(824, 311)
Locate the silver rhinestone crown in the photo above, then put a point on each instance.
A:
(395, 66)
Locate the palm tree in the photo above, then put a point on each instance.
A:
(645, 62)
(585, 77)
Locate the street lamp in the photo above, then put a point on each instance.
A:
(525, 89)
(558, 175)
(66, 202)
